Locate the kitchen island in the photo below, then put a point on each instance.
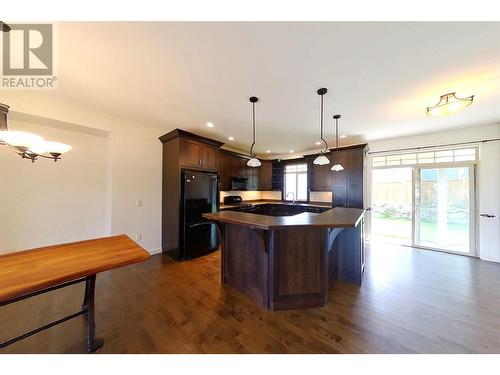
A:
(290, 262)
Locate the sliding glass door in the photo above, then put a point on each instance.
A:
(425, 199)
(444, 208)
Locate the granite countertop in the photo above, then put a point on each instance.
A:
(285, 203)
(338, 217)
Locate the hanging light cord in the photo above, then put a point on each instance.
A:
(321, 131)
(336, 133)
(253, 127)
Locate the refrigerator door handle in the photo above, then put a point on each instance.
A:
(200, 224)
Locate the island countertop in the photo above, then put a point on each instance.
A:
(338, 217)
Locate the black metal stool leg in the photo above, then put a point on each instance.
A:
(92, 342)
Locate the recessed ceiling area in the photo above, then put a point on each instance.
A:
(380, 76)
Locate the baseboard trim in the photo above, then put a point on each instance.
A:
(155, 251)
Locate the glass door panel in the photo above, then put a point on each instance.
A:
(443, 208)
(391, 218)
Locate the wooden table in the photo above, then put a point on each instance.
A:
(29, 273)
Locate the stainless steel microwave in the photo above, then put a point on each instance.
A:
(239, 183)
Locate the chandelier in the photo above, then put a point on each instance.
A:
(28, 145)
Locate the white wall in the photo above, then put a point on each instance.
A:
(133, 170)
(48, 202)
(488, 180)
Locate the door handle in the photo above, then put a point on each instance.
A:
(487, 215)
(200, 224)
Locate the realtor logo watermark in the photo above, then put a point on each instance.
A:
(28, 57)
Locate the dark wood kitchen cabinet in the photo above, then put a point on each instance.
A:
(348, 183)
(348, 192)
(320, 176)
(266, 175)
(252, 178)
(233, 164)
(199, 155)
(227, 167)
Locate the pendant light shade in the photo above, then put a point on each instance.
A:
(253, 162)
(449, 104)
(337, 167)
(322, 159)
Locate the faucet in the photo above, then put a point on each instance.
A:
(293, 196)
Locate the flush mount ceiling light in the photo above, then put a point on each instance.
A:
(253, 162)
(210, 124)
(28, 145)
(322, 159)
(449, 104)
(337, 167)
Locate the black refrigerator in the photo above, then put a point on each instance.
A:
(199, 195)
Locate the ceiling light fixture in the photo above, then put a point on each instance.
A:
(337, 166)
(291, 151)
(318, 143)
(28, 145)
(253, 162)
(210, 124)
(268, 151)
(322, 159)
(230, 138)
(343, 136)
(449, 104)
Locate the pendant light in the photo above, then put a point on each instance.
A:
(337, 167)
(253, 162)
(322, 159)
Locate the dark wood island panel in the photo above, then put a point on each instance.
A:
(289, 262)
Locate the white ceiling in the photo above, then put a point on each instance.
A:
(380, 76)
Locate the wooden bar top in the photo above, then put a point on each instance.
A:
(31, 270)
(338, 217)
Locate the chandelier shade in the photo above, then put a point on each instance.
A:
(20, 140)
(28, 145)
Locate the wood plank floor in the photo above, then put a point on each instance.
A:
(411, 301)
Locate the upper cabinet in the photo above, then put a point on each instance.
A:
(320, 176)
(348, 183)
(193, 151)
(235, 165)
(266, 175)
(199, 155)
